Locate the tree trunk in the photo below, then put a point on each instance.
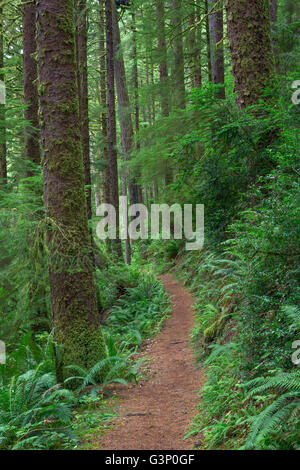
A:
(3, 164)
(216, 49)
(178, 56)
(72, 288)
(111, 132)
(82, 80)
(135, 80)
(209, 72)
(103, 98)
(32, 134)
(250, 47)
(162, 48)
(273, 16)
(273, 10)
(197, 57)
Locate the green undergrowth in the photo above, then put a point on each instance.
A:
(36, 412)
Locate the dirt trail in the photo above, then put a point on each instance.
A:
(155, 414)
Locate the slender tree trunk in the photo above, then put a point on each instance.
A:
(72, 288)
(191, 44)
(216, 49)
(250, 47)
(136, 186)
(273, 10)
(178, 56)
(103, 98)
(124, 118)
(162, 48)
(3, 163)
(153, 103)
(82, 79)
(197, 55)
(111, 131)
(135, 79)
(32, 134)
(273, 17)
(209, 71)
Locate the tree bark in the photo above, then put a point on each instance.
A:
(32, 133)
(111, 131)
(82, 80)
(178, 56)
(135, 80)
(216, 49)
(72, 288)
(273, 10)
(162, 48)
(103, 98)
(273, 17)
(250, 47)
(197, 59)
(3, 163)
(209, 71)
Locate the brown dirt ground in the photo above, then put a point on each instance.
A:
(156, 413)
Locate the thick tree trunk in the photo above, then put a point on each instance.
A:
(162, 49)
(216, 45)
(32, 134)
(72, 288)
(82, 80)
(3, 164)
(111, 131)
(250, 46)
(178, 56)
(103, 98)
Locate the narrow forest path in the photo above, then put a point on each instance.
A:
(155, 414)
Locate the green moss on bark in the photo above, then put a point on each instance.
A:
(249, 35)
(72, 288)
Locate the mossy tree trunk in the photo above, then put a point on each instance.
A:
(82, 80)
(216, 45)
(32, 134)
(251, 49)
(72, 288)
(3, 163)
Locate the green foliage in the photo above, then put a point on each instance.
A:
(113, 280)
(24, 291)
(35, 411)
(278, 425)
(139, 313)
